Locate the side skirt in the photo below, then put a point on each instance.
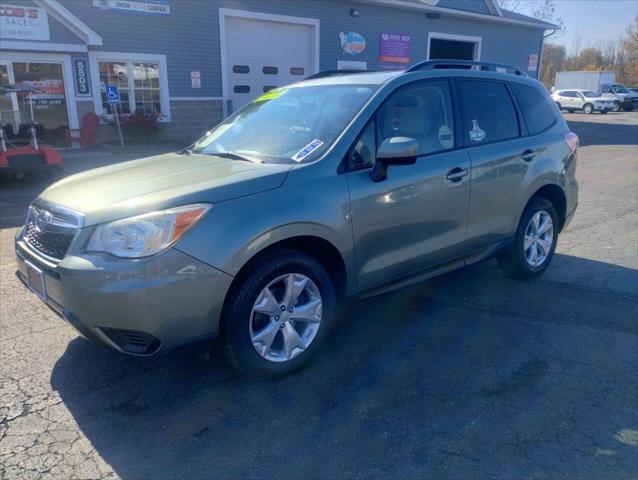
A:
(479, 255)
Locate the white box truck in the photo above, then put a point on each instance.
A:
(602, 82)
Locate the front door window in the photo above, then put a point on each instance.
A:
(49, 105)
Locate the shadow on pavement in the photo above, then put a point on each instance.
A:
(598, 133)
(471, 375)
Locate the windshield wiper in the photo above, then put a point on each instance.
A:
(234, 156)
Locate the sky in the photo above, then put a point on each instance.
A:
(593, 22)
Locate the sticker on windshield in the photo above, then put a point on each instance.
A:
(271, 95)
(307, 150)
(476, 134)
(445, 137)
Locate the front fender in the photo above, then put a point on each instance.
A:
(308, 204)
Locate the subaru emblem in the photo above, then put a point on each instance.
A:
(41, 218)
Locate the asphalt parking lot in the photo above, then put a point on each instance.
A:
(471, 375)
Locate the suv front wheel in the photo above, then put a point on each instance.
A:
(535, 241)
(275, 322)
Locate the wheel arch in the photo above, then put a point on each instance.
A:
(556, 195)
(320, 248)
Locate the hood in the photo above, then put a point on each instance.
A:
(163, 181)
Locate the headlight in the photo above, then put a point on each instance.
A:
(147, 234)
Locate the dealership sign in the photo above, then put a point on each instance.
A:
(22, 22)
(149, 7)
(394, 51)
(352, 42)
(81, 74)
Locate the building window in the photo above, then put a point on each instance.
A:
(147, 88)
(139, 84)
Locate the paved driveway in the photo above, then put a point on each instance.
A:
(471, 375)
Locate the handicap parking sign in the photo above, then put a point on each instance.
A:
(112, 94)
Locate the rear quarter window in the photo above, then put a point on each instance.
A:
(535, 106)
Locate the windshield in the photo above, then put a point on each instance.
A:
(620, 88)
(590, 94)
(287, 125)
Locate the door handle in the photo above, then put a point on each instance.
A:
(528, 155)
(456, 175)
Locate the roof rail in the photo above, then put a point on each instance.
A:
(336, 73)
(488, 66)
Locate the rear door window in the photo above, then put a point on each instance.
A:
(489, 114)
(536, 108)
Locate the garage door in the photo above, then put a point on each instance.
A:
(262, 55)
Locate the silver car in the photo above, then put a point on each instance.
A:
(583, 100)
(337, 186)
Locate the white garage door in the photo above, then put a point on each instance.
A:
(262, 55)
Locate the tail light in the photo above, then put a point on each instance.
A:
(572, 141)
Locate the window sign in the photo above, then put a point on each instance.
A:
(22, 22)
(147, 7)
(81, 75)
(394, 51)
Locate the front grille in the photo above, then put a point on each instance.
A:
(51, 244)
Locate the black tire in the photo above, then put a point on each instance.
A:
(570, 110)
(235, 332)
(615, 107)
(604, 112)
(588, 108)
(513, 260)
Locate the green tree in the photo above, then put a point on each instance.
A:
(554, 57)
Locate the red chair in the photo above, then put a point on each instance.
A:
(87, 131)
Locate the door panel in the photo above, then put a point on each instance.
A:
(498, 172)
(413, 220)
(417, 217)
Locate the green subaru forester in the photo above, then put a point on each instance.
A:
(337, 186)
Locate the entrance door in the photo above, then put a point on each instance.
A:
(453, 47)
(49, 105)
(263, 54)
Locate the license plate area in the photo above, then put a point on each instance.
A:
(35, 280)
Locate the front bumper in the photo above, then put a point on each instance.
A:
(140, 307)
(601, 108)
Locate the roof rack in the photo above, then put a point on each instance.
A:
(486, 66)
(336, 73)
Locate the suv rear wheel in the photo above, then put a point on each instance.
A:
(615, 107)
(275, 322)
(535, 241)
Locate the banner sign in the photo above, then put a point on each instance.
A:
(146, 7)
(81, 75)
(394, 51)
(22, 22)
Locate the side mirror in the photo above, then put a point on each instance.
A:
(394, 151)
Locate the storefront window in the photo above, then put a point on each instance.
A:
(147, 87)
(49, 103)
(115, 73)
(138, 83)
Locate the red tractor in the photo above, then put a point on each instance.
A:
(32, 158)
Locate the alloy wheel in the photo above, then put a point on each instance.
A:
(286, 317)
(539, 238)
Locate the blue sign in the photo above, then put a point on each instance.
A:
(81, 74)
(112, 94)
